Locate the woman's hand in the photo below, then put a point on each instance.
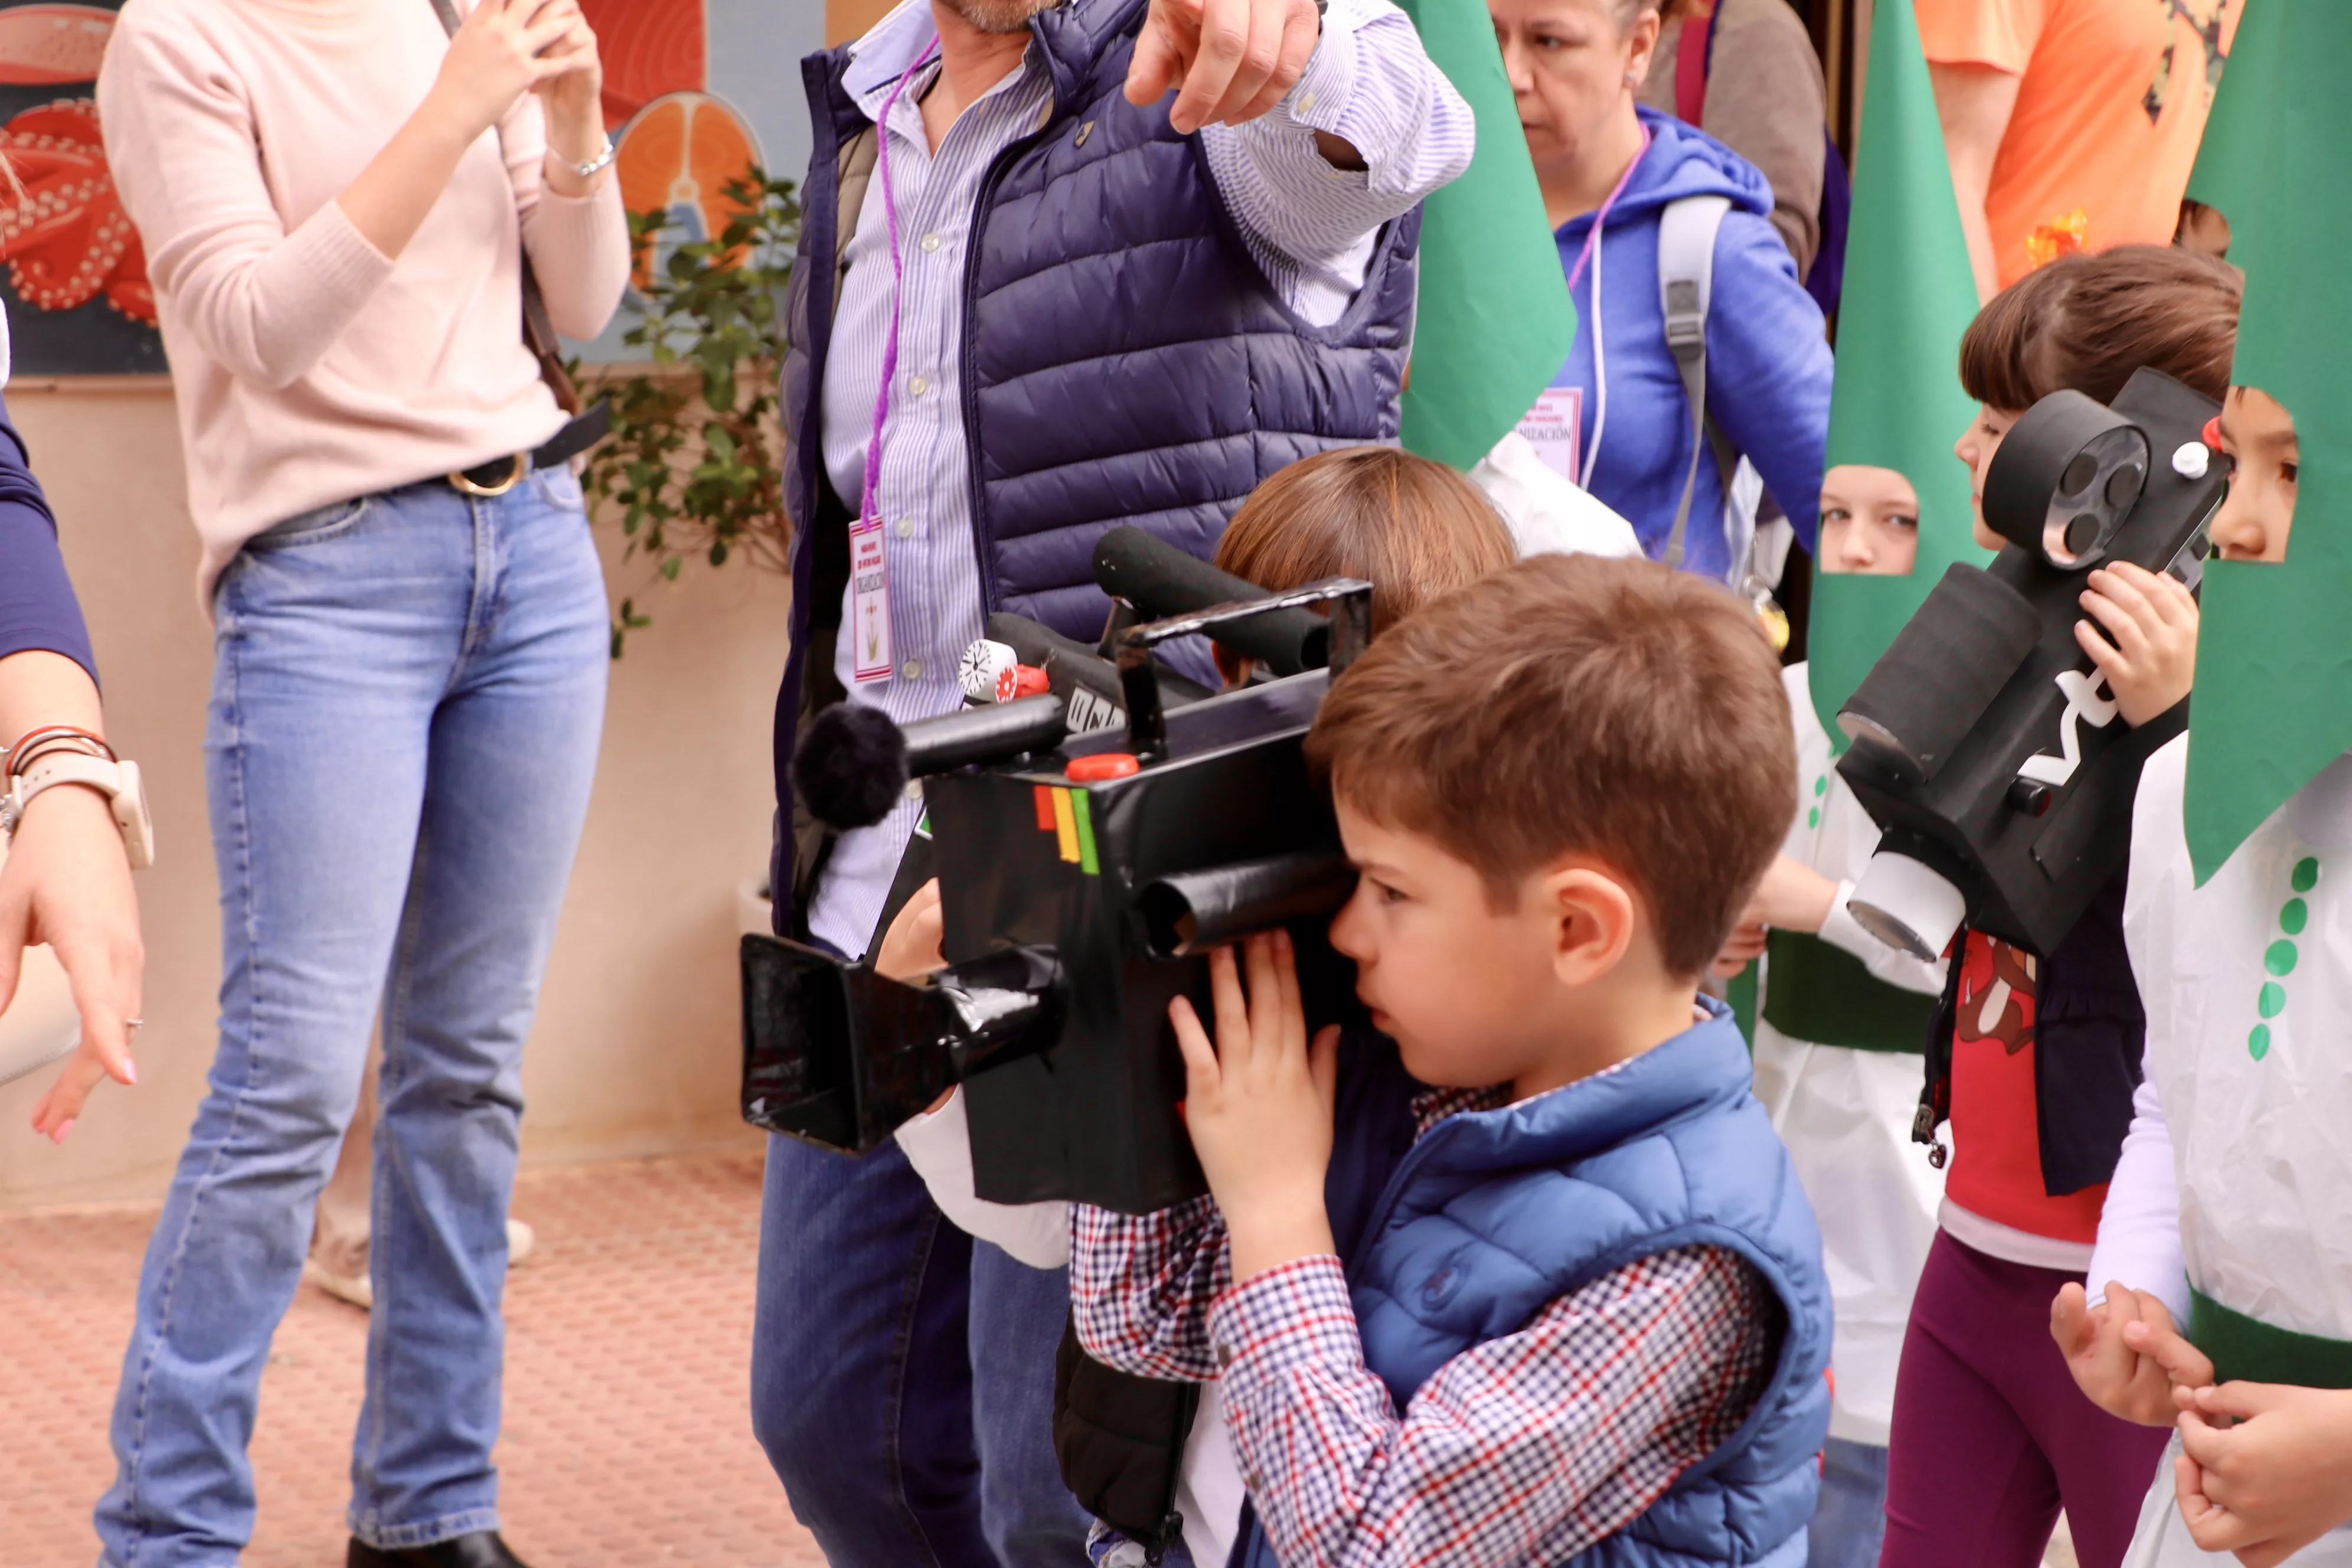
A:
(2265, 1470)
(1258, 1106)
(66, 882)
(2115, 1374)
(2148, 653)
(573, 98)
(502, 50)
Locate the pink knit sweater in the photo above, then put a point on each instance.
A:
(310, 369)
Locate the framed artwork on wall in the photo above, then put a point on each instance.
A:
(695, 92)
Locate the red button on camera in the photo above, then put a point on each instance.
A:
(1102, 765)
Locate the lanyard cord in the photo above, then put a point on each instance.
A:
(1600, 356)
(1593, 235)
(868, 503)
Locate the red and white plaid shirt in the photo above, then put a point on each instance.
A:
(1526, 1449)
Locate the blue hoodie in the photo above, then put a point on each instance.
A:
(1768, 362)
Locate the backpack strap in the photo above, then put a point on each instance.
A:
(1685, 282)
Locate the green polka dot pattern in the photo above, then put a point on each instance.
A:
(2279, 958)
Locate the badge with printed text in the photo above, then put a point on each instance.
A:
(869, 602)
(1555, 429)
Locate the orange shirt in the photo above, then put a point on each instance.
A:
(1996, 1126)
(2110, 111)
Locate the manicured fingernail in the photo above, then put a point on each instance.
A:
(130, 1071)
(63, 1127)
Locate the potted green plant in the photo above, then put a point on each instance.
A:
(692, 467)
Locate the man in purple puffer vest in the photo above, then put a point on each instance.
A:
(1082, 303)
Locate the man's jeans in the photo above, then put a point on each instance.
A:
(902, 1374)
(407, 693)
(1850, 1520)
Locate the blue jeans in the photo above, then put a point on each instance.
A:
(407, 696)
(1850, 1520)
(902, 1374)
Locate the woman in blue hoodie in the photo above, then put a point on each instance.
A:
(1609, 165)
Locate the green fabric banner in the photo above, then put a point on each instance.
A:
(1494, 322)
(2274, 700)
(1897, 404)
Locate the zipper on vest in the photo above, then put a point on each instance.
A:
(968, 390)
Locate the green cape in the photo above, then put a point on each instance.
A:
(2273, 697)
(1493, 323)
(1909, 295)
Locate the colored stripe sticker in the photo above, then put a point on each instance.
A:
(1045, 808)
(1082, 811)
(1066, 826)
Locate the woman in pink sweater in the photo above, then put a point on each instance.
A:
(336, 197)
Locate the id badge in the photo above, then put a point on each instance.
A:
(1555, 429)
(869, 602)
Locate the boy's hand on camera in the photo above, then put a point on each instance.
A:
(2112, 1373)
(1258, 1106)
(2263, 1470)
(2148, 650)
(911, 945)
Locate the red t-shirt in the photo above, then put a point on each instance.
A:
(1996, 1139)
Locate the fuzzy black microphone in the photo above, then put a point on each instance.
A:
(851, 766)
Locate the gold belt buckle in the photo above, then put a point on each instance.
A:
(472, 486)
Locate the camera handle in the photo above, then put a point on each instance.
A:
(1147, 721)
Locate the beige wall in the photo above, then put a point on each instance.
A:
(634, 1050)
(847, 19)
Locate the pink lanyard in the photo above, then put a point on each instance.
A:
(869, 505)
(1593, 236)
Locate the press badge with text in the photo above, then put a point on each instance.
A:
(869, 602)
(1555, 429)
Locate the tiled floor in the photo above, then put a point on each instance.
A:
(627, 1438)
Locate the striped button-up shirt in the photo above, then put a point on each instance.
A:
(1309, 227)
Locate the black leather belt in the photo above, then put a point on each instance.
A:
(499, 475)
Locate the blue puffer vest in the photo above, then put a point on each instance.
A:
(1125, 359)
(1464, 1236)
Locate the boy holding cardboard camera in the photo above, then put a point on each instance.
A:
(1527, 1269)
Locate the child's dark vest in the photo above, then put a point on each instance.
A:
(1467, 1234)
(1125, 360)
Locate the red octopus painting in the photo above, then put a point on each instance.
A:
(64, 236)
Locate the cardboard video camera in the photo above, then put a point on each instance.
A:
(1083, 877)
(1985, 743)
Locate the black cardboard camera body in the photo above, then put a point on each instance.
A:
(1984, 744)
(1074, 912)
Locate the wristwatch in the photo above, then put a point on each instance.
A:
(118, 781)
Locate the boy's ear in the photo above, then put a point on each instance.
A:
(1594, 919)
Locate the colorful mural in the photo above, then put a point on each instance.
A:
(694, 89)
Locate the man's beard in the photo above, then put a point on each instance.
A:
(997, 16)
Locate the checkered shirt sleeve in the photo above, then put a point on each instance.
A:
(1142, 1287)
(1523, 1450)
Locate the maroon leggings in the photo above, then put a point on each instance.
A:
(1990, 1434)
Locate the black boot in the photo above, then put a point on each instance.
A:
(482, 1548)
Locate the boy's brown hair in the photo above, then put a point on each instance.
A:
(2087, 321)
(1412, 528)
(1577, 705)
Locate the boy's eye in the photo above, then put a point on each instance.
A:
(1387, 894)
(1906, 524)
(1836, 514)
(2288, 471)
